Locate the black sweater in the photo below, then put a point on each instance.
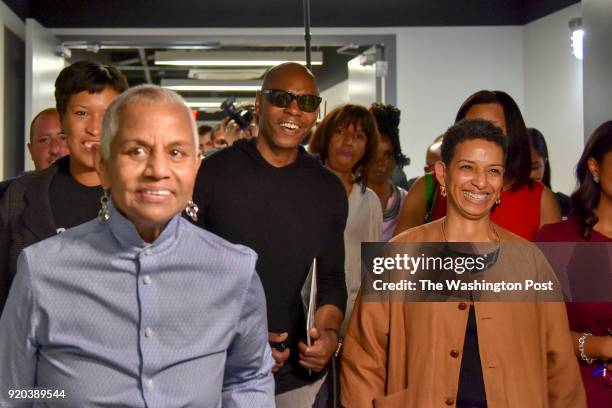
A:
(289, 216)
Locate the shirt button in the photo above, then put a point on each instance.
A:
(148, 332)
(149, 383)
(462, 306)
(454, 353)
(148, 251)
(450, 401)
(146, 280)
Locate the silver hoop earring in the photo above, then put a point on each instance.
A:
(596, 178)
(498, 201)
(104, 214)
(192, 210)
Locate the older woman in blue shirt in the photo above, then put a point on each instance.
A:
(139, 307)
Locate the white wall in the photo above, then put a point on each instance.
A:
(334, 96)
(439, 67)
(362, 83)
(42, 68)
(553, 92)
(11, 21)
(597, 23)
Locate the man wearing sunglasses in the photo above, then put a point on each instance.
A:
(269, 194)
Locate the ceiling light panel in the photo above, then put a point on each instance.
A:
(227, 74)
(233, 58)
(194, 85)
(212, 104)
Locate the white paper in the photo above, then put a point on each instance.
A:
(309, 300)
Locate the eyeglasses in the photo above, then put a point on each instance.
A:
(281, 99)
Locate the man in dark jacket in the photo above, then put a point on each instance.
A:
(268, 193)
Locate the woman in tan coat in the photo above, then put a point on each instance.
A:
(464, 354)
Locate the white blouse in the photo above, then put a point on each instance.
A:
(364, 224)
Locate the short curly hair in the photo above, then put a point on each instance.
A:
(388, 119)
(471, 129)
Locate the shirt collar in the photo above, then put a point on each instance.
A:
(125, 232)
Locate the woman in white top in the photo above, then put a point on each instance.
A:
(347, 139)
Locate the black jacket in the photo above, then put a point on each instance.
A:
(25, 218)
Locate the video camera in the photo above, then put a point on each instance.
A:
(242, 117)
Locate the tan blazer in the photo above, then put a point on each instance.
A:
(408, 354)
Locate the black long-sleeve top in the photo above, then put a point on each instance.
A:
(289, 216)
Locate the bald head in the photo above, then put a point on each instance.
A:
(287, 89)
(433, 154)
(288, 71)
(47, 141)
(44, 114)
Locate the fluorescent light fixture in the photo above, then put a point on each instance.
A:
(204, 104)
(127, 45)
(212, 104)
(577, 37)
(209, 46)
(224, 74)
(233, 58)
(211, 86)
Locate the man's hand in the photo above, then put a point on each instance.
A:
(317, 356)
(279, 356)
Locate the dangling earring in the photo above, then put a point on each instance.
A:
(104, 214)
(443, 191)
(498, 201)
(192, 210)
(596, 178)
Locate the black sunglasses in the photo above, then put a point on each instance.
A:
(281, 99)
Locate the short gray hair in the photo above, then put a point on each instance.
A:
(151, 94)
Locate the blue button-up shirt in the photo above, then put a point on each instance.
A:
(113, 321)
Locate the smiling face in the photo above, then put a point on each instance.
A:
(283, 129)
(489, 111)
(153, 164)
(473, 178)
(82, 125)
